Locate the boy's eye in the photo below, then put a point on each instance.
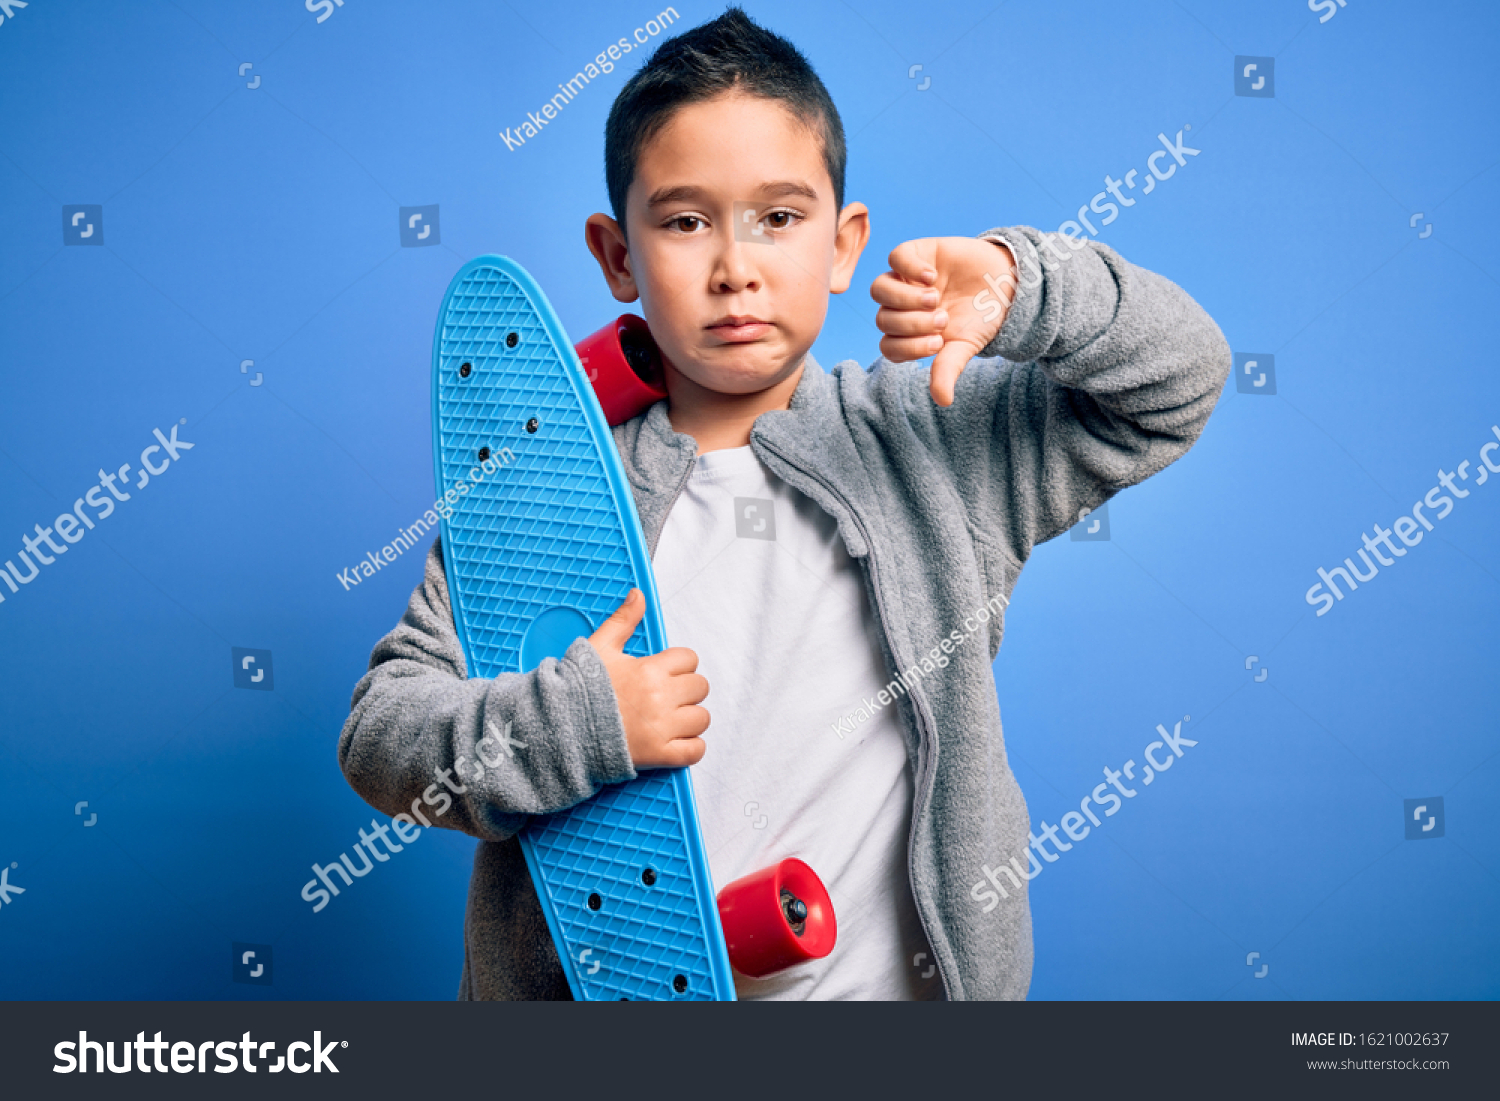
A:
(772, 219)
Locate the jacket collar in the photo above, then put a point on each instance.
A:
(657, 458)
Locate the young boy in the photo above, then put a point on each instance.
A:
(833, 550)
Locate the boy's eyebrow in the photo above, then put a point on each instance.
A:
(777, 189)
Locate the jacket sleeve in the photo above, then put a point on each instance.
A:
(1109, 373)
(477, 755)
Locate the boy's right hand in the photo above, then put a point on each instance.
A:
(658, 695)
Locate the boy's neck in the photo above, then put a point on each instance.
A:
(717, 420)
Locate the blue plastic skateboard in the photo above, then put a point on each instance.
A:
(538, 553)
(543, 543)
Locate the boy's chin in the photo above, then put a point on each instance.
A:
(738, 383)
(743, 378)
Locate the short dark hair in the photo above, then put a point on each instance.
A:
(729, 54)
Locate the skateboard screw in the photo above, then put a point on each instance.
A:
(679, 984)
(463, 371)
(512, 339)
(796, 910)
(648, 877)
(595, 901)
(533, 424)
(484, 453)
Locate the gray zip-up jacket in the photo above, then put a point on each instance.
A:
(1108, 374)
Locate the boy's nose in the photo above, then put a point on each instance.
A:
(735, 271)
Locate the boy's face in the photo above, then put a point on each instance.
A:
(734, 242)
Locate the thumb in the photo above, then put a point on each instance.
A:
(946, 367)
(615, 631)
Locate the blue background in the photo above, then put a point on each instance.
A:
(261, 224)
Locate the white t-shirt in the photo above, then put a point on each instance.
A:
(755, 579)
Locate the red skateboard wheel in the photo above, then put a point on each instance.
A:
(622, 362)
(777, 917)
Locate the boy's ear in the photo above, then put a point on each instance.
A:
(606, 240)
(848, 244)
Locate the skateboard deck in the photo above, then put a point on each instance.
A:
(538, 553)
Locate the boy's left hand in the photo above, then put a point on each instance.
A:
(927, 303)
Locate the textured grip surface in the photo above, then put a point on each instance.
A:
(622, 877)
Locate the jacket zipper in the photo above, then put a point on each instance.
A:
(919, 702)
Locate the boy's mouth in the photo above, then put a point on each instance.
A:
(739, 329)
